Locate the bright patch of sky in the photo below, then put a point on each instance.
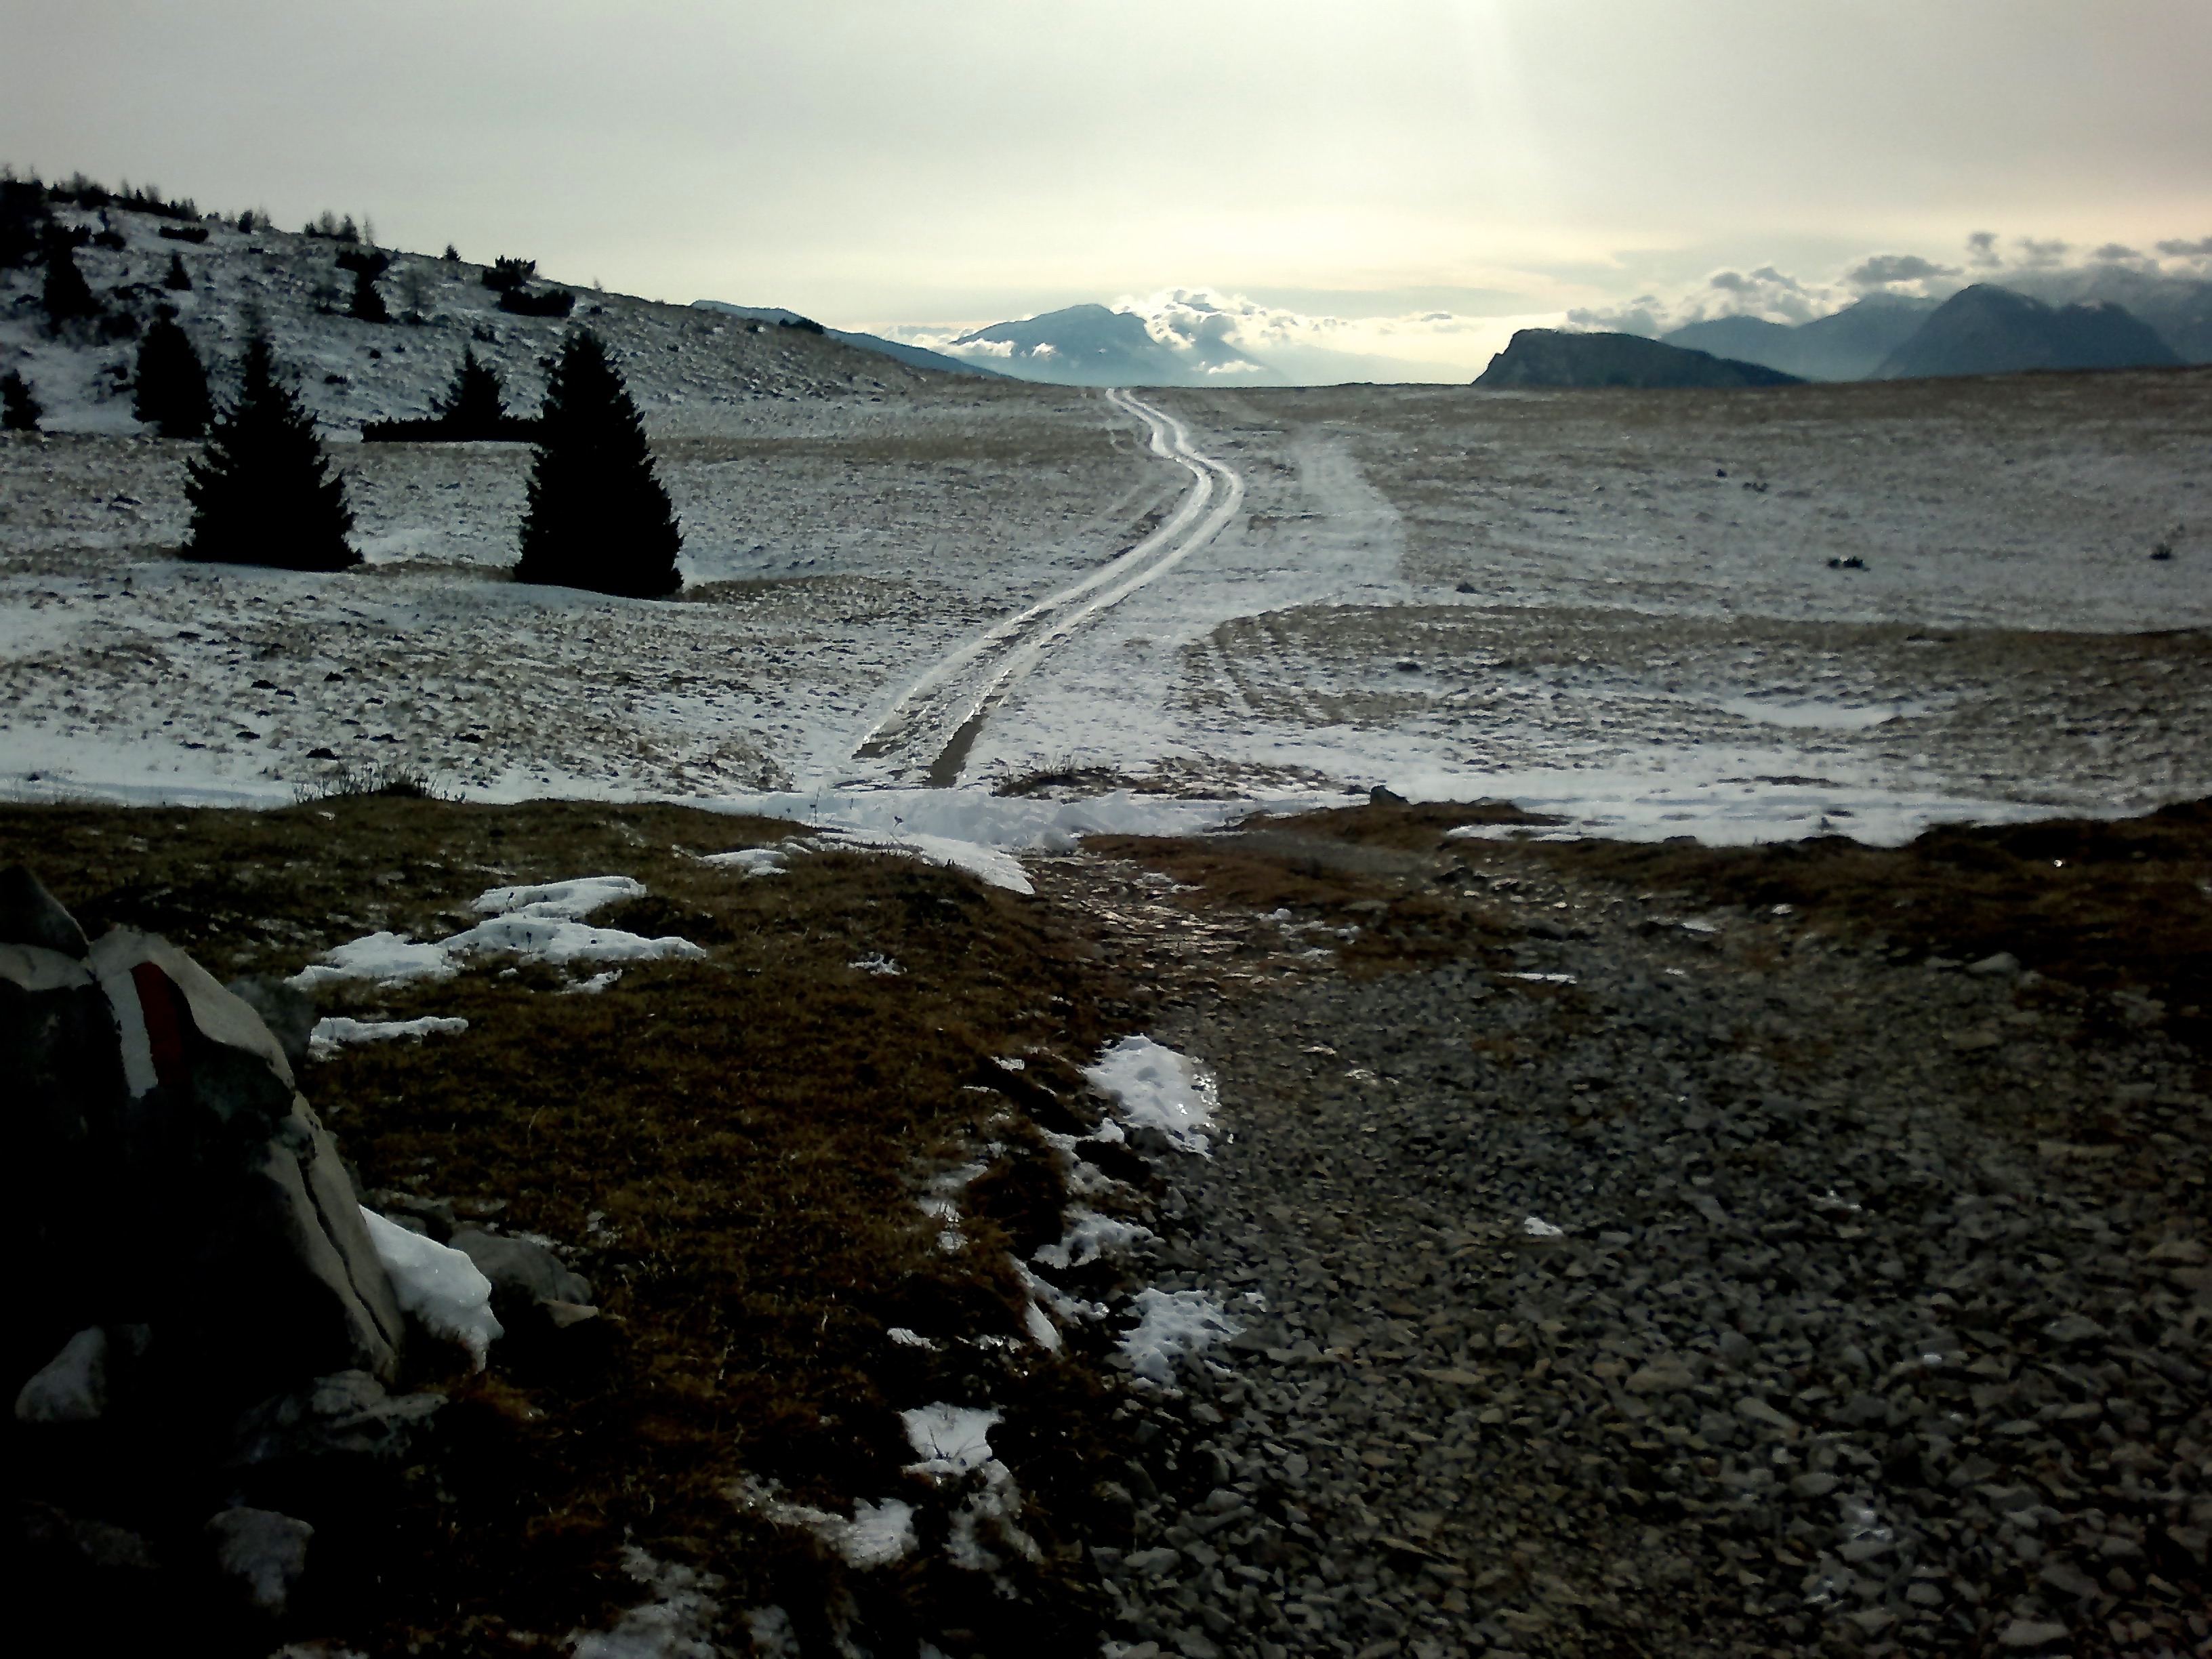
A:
(1404, 184)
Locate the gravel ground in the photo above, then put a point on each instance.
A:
(1875, 1320)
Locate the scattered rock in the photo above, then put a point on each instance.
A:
(265, 1552)
(72, 1386)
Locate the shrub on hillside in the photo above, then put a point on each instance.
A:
(19, 410)
(598, 518)
(264, 492)
(553, 303)
(23, 220)
(184, 232)
(67, 296)
(171, 393)
(473, 410)
(503, 275)
(179, 280)
(367, 305)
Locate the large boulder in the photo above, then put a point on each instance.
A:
(169, 1174)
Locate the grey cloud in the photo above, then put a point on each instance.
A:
(1885, 268)
(2199, 249)
(2035, 252)
(1982, 249)
(2114, 253)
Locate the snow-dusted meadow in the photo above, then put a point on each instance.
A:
(1618, 606)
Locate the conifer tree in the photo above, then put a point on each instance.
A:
(19, 409)
(264, 492)
(67, 296)
(474, 406)
(179, 280)
(598, 516)
(171, 393)
(367, 304)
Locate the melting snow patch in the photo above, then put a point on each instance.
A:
(543, 923)
(1545, 979)
(440, 1285)
(1090, 1236)
(772, 1636)
(571, 900)
(678, 1624)
(987, 864)
(877, 964)
(1158, 1088)
(1537, 1227)
(877, 1535)
(907, 1339)
(951, 1440)
(331, 1034)
(1170, 1325)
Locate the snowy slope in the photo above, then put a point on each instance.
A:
(690, 371)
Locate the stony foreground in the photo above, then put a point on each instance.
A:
(1667, 1285)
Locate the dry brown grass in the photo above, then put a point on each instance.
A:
(729, 1147)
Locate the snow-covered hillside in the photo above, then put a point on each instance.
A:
(689, 370)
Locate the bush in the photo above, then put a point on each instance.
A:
(804, 325)
(264, 492)
(374, 261)
(452, 255)
(553, 303)
(179, 280)
(503, 275)
(184, 232)
(247, 221)
(598, 517)
(172, 391)
(19, 410)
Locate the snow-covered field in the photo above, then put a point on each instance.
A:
(1618, 606)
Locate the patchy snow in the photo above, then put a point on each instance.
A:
(436, 1283)
(1090, 1236)
(333, 1033)
(950, 1440)
(877, 963)
(678, 1623)
(1158, 1089)
(537, 924)
(876, 1535)
(1173, 1325)
(569, 901)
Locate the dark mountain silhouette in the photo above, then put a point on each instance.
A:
(1552, 357)
(915, 356)
(1848, 346)
(1986, 329)
(2178, 307)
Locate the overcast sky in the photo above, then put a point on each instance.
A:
(970, 160)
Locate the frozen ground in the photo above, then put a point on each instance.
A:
(1616, 606)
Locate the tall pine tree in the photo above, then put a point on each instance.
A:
(171, 393)
(264, 492)
(598, 516)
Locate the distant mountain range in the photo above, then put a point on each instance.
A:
(1556, 357)
(1847, 346)
(1089, 345)
(914, 356)
(1982, 330)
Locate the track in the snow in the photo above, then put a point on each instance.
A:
(932, 728)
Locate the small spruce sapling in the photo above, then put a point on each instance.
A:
(67, 295)
(179, 281)
(172, 391)
(367, 305)
(19, 410)
(474, 405)
(264, 492)
(598, 517)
